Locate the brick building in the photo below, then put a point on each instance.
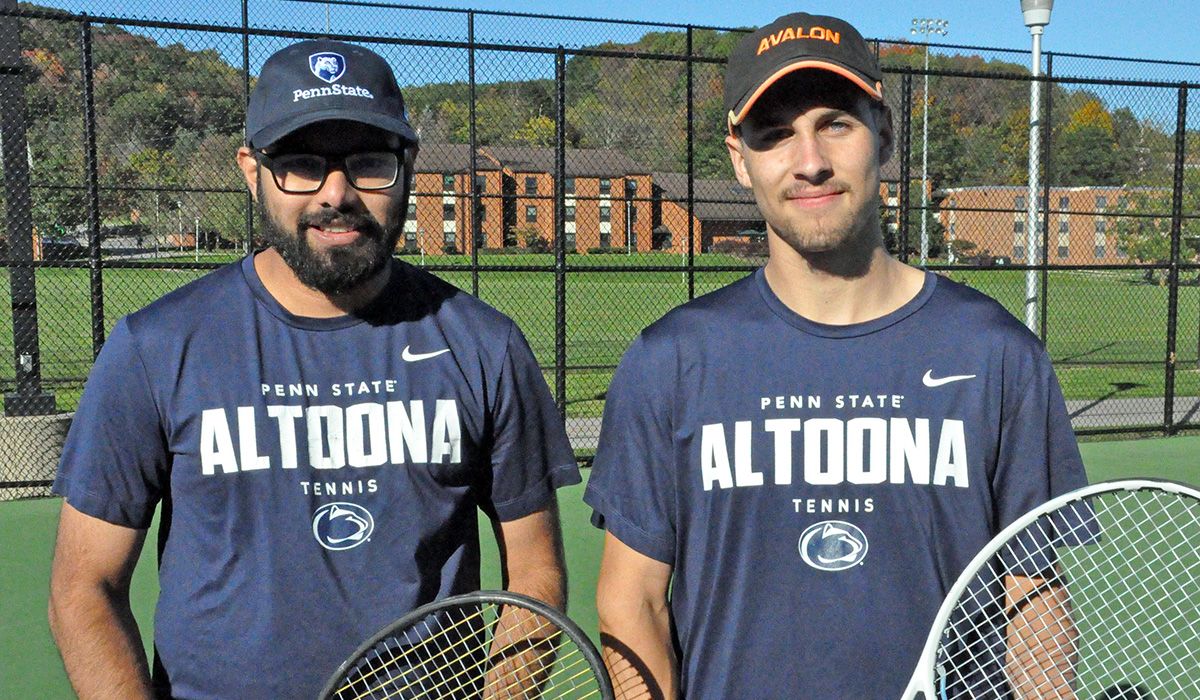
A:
(1079, 226)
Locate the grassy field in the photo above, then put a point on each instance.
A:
(1106, 331)
(29, 664)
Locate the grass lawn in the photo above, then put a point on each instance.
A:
(1106, 331)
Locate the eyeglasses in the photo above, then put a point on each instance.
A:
(305, 173)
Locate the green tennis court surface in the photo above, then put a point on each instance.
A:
(29, 663)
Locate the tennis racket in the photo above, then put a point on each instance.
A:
(1092, 596)
(489, 645)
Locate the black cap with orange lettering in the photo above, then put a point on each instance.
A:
(795, 42)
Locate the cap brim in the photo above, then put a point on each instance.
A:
(875, 91)
(273, 132)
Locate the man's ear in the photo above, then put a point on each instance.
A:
(887, 137)
(249, 166)
(735, 146)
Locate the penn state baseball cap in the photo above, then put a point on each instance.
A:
(321, 80)
(791, 43)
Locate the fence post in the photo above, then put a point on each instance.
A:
(691, 172)
(248, 244)
(473, 217)
(1173, 272)
(560, 240)
(905, 176)
(28, 398)
(91, 170)
(1047, 156)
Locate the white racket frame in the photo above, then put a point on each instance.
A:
(923, 682)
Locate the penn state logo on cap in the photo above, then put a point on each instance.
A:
(327, 66)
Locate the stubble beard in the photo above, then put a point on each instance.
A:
(337, 269)
(825, 236)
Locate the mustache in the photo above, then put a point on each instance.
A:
(325, 218)
(804, 189)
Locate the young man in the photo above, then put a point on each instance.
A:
(320, 422)
(807, 458)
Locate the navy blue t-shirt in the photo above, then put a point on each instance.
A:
(818, 488)
(319, 477)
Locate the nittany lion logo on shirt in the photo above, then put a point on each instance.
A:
(327, 66)
(339, 526)
(833, 545)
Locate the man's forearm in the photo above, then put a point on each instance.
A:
(100, 644)
(637, 648)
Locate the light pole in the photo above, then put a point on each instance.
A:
(939, 27)
(1037, 16)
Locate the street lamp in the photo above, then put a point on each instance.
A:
(1037, 16)
(926, 27)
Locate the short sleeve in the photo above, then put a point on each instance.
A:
(631, 488)
(1038, 457)
(531, 456)
(115, 462)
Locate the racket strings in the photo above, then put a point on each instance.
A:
(1103, 600)
(493, 653)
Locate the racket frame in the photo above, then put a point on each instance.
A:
(923, 682)
(499, 598)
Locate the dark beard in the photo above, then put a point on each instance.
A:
(335, 270)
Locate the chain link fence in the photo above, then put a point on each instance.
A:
(573, 174)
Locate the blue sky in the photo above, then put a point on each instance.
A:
(1162, 29)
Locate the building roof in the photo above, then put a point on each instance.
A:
(715, 200)
(580, 162)
(450, 158)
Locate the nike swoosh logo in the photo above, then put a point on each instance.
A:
(929, 381)
(418, 356)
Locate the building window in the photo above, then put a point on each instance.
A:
(1062, 251)
(531, 213)
(531, 185)
(1099, 252)
(447, 212)
(1018, 252)
(447, 183)
(630, 188)
(1018, 227)
(1064, 203)
(605, 240)
(569, 213)
(1101, 227)
(1101, 202)
(481, 183)
(449, 239)
(1122, 203)
(412, 209)
(605, 213)
(569, 185)
(632, 215)
(410, 240)
(569, 238)
(605, 186)
(1019, 203)
(893, 189)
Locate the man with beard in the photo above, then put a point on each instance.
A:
(320, 422)
(793, 470)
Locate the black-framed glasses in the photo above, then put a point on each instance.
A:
(305, 173)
